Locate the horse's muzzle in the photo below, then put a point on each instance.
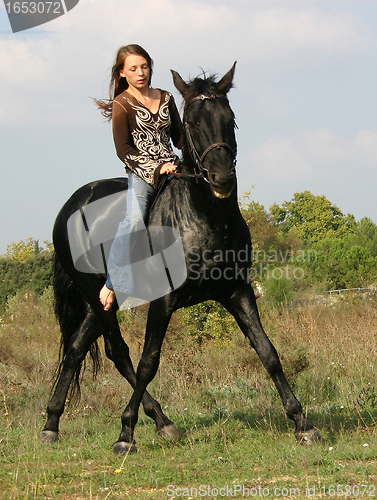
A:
(222, 184)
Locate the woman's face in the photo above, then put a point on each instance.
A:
(137, 72)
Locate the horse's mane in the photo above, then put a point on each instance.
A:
(198, 86)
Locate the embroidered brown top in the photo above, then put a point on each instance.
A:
(142, 138)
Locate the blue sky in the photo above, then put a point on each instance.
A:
(304, 97)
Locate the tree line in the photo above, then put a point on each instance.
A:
(26, 266)
(308, 243)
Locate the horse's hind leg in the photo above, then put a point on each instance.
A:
(79, 345)
(117, 350)
(242, 305)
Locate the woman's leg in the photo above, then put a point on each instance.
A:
(140, 196)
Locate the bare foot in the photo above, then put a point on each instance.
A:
(106, 297)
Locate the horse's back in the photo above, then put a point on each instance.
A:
(87, 223)
(93, 191)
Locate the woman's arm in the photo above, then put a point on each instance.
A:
(121, 132)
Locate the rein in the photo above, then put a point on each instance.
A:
(180, 174)
(198, 159)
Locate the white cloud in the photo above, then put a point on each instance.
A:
(50, 77)
(365, 143)
(269, 101)
(23, 61)
(308, 154)
(311, 30)
(281, 32)
(280, 158)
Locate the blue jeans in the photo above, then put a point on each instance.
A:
(140, 196)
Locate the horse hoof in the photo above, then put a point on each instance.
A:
(309, 438)
(123, 448)
(48, 437)
(170, 433)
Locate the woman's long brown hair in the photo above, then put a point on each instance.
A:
(119, 84)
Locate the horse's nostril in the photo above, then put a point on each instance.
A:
(222, 178)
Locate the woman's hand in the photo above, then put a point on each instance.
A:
(168, 168)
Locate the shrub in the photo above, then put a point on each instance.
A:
(35, 273)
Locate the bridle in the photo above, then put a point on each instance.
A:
(199, 158)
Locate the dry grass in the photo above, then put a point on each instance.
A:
(218, 392)
(328, 354)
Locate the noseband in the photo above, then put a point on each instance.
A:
(198, 159)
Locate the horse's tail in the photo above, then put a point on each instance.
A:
(70, 311)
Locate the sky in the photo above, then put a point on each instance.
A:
(304, 97)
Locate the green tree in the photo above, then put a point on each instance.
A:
(341, 264)
(312, 218)
(279, 287)
(27, 249)
(366, 235)
(309, 241)
(26, 266)
(271, 248)
(209, 320)
(263, 232)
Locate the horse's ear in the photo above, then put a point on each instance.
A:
(179, 83)
(226, 82)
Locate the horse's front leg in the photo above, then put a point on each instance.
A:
(158, 319)
(242, 305)
(118, 351)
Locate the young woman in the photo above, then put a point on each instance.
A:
(145, 121)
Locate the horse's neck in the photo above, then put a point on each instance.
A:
(190, 202)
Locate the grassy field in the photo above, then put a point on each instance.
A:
(237, 442)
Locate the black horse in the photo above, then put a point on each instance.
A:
(201, 204)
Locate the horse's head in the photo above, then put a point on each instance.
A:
(209, 129)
